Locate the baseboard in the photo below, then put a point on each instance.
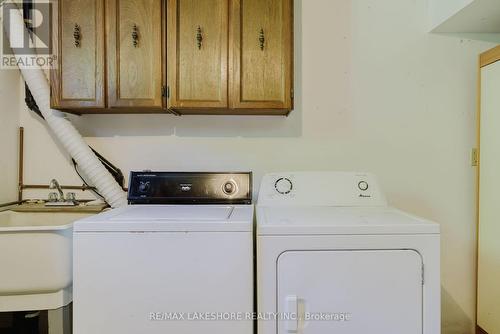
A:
(479, 330)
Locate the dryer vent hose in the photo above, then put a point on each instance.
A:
(65, 132)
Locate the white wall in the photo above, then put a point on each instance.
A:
(374, 92)
(9, 125)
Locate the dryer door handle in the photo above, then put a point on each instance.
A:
(292, 314)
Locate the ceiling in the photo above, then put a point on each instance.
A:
(480, 16)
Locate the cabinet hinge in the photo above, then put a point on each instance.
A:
(292, 93)
(165, 91)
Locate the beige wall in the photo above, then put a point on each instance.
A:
(374, 92)
(9, 124)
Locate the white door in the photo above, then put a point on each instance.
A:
(350, 292)
(488, 289)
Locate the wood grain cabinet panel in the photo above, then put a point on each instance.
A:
(78, 80)
(134, 53)
(186, 56)
(198, 53)
(262, 54)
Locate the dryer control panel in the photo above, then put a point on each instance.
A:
(321, 189)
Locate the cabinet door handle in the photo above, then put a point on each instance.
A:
(77, 35)
(262, 39)
(135, 35)
(199, 37)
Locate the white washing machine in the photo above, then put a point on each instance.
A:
(184, 267)
(332, 257)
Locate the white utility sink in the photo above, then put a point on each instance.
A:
(36, 259)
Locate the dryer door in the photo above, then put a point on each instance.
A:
(350, 292)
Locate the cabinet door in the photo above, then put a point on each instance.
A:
(134, 53)
(78, 79)
(261, 54)
(197, 53)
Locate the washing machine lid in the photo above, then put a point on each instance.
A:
(170, 218)
(323, 220)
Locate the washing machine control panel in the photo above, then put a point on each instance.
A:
(321, 188)
(190, 188)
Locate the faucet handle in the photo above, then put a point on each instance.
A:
(70, 197)
(53, 197)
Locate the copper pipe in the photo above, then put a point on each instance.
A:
(3, 205)
(22, 186)
(21, 165)
(41, 186)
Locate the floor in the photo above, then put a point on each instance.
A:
(18, 323)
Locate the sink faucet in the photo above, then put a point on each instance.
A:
(55, 185)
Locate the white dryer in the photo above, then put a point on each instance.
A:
(179, 259)
(332, 257)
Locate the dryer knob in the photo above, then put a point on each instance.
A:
(283, 186)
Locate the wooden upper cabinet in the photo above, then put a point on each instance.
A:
(261, 71)
(78, 80)
(197, 53)
(230, 56)
(134, 53)
(186, 56)
(109, 63)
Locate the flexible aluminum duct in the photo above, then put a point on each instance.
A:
(65, 132)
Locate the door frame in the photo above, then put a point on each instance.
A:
(486, 58)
